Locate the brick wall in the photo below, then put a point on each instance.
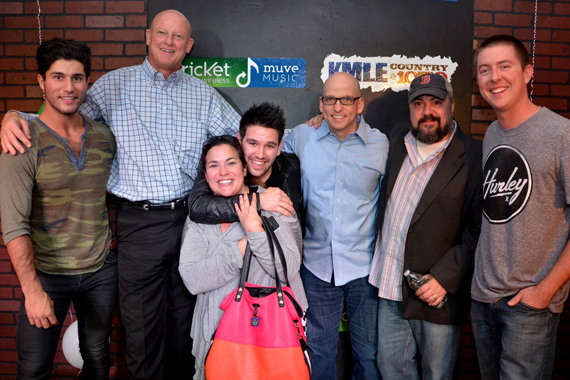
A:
(115, 32)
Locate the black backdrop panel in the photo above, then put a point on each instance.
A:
(313, 29)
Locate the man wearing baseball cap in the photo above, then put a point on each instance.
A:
(429, 218)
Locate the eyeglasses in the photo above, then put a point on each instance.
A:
(345, 100)
(214, 139)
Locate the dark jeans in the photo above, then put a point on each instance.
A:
(93, 295)
(156, 307)
(515, 342)
(326, 304)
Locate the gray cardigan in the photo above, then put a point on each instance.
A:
(210, 265)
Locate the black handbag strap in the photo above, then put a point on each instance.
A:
(268, 225)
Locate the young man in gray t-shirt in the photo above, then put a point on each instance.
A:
(522, 262)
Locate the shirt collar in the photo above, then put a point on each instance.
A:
(410, 142)
(361, 131)
(155, 75)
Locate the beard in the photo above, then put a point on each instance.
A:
(433, 135)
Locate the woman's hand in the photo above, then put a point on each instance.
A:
(247, 214)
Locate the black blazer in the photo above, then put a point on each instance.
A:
(445, 227)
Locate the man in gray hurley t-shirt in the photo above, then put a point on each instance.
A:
(522, 262)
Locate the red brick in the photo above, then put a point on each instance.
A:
(560, 90)
(5, 267)
(493, 5)
(106, 49)
(117, 63)
(21, 78)
(479, 128)
(11, 36)
(541, 62)
(24, 105)
(552, 103)
(125, 35)
(11, 7)
(135, 49)
(553, 22)
(7, 331)
(20, 50)
(64, 21)
(17, 22)
(136, 21)
(85, 35)
(540, 89)
(11, 91)
(528, 34)
(561, 35)
(482, 18)
(125, 6)
(488, 31)
(96, 75)
(551, 76)
(84, 7)
(6, 292)
(46, 7)
(483, 114)
(104, 21)
(11, 64)
(7, 343)
(513, 19)
(32, 35)
(528, 7)
(31, 64)
(562, 8)
(33, 92)
(96, 64)
(9, 368)
(560, 63)
(9, 357)
(552, 49)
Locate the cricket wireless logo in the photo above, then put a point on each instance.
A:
(248, 72)
(382, 73)
(507, 184)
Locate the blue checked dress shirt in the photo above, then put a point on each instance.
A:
(159, 126)
(387, 271)
(341, 183)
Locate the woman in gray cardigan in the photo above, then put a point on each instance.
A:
(211, 257)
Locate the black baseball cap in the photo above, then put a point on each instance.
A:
(428, 84)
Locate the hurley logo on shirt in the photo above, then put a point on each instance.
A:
(507, 185)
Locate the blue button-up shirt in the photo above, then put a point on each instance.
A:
(159, 126)
(341, 184)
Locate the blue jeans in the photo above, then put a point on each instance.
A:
(93, 296)
(514, 342)
(326, 304)
(400, 339)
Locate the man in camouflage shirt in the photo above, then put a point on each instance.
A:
(55, 220)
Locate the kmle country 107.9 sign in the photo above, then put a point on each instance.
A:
(248, 72)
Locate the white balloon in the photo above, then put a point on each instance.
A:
(70, 346)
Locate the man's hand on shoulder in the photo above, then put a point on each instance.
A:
(15, 134)
(276, 200)
(315, 121)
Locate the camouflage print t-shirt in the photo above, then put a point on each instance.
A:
(59, 199)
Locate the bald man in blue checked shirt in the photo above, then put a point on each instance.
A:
(160, 116)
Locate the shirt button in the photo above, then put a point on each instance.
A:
(335, 218)
(340, 164)
(340, 183)
(338, 200)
